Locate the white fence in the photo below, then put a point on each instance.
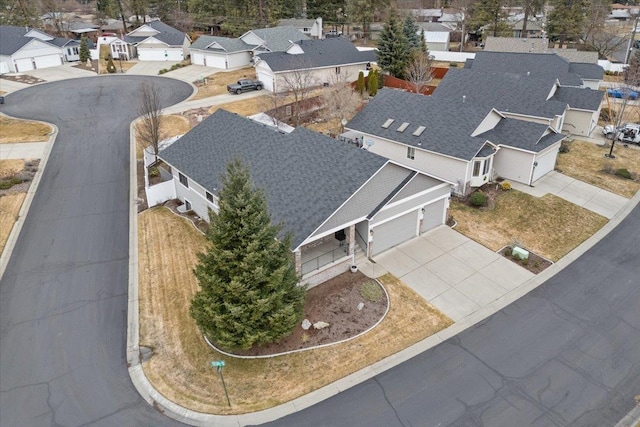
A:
(452, 56)
(611, 67)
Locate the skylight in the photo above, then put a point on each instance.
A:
(387, 123)
(419, 131)
(403, 126)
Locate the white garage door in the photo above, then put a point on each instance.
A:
(394, 232)
(160, 55)
(267, 80)
(47, 61)
(197, 58)
(215, 61)
(546, 163)
(433, 215)
(24, 64)
(4, 68)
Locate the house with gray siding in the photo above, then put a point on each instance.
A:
(334, 198)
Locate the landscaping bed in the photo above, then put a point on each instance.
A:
(535, 263)
(23, 78)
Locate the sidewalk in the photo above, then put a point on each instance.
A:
(23, 150)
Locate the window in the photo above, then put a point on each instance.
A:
(75, 50)
(411, 153)
(337, 70)
(403, 126)
(187, 205)
(183, 180)
(287, 110)
(209, 197)
(476, 167)
(387, 123)
(69, 51)
(419, 131)
(485, 170)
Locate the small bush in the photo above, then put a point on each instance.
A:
(153, 172)
(623, 173)
(5, 185)
(505, 186)
(607, 114)
(478, 199)
(15, 180)
(164, 70)
(111, 68)
(371, 291)
(524, 261)
(564, 148)
(453, 64)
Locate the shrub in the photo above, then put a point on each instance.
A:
(15, 180)
(5, 185)
(505, 186)
(478, 199)
(607, 114)
(153, 172)
(564, 148)
(371, 291)
(111, 68)
(164, 70)
(623, 173)
(525, 261)
(453, 64)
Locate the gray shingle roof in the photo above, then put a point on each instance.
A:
(587, 71)
(585, 99)
(228, 45)
(511, 44)
(520, 134)
(306, 176)
(317, 54)
(167, 34)
(514, 93)
(302, 23)
(448, 122)
(12, 39)
(278, 39)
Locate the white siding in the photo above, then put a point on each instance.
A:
(513, 164)
(197, 58)
(215, 60)
(488, 123)
(196, 195)
(320, 76)
(546, 162)
(160, 54)
(238, 59)
(579, 122)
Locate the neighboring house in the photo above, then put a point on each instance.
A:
(452, 19)
(157, 41)
(309, 27)
(437, 41)
(502, 116)
(23, 49)
(319, 188)
(225, 52)
(534, 30)
(426, 15)
(70, 48)
(118, 48)
(317, 62)
(537, 45)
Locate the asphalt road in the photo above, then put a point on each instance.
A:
(63, 297)
(568, 353)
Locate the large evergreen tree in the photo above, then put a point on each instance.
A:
(411, 32)
(490, 13)
(249, 293)
(85, 53)
(393, 49)
(565, 22)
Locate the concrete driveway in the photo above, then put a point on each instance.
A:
(63, 72)
(150, 68)
(454, 273)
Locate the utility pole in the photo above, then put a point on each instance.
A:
(631, 37)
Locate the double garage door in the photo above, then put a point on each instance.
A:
(214, 61)
(44, 61)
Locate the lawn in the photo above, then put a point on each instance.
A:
(549, 226)
(217, 83)
(170, 126)
(245, 107)
(13, 130)
(179, 368)
(9, 208)
(585, 161)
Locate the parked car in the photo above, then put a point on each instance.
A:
(244, 85)
(621, 92)
(630, 133)
(608, 131)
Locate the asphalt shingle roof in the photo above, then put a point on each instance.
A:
(166, 34)
(579, 98)
(521, 134)
(278, 39)
(317, 54)
(306, 176)
(228, 45)
(586, 71)
(448, 122)
(12, 39)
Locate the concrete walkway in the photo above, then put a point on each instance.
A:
(577, 192)
(22, 150)
(150, 68)
(8, 86)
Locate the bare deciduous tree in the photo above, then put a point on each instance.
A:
(340, 100)
(418, 72)
(618, 106)
(299, 83)
(150, 110)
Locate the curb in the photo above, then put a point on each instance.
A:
(26, 204)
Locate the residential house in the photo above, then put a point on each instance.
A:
(157, 41)
(225, 52)
(24, 49)
(537, 45)
(534, 30)
(426, 15)
(437, 41)
(332, 197)
(118, 48)
(452, 19)
(312, 28)
(322, 61)
(502, 116)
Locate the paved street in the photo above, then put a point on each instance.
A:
(63, 297)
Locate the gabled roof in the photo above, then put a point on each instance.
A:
(586, 71)
(448, 123)
(278, 39)
(514, 44)
(433, 26)
(301, 23)
(306, 176)
(531, 25)
(225, 44)
(584, 99)
(506, 92)
(12, 39)
(522, 134)
(436, 36)
(165, 33)
(318, 53)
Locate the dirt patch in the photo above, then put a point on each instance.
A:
(190, 216)
(334, 302)
(23, 78)
(245, 107)
(535, 263)
(15, 177)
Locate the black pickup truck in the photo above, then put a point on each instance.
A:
(244, 85)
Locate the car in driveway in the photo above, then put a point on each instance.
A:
(244, 85)
(630, 133)
(624, 131)
(621, 92)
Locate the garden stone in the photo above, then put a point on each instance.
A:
(320, 325)
(360, 306)
(306, 324)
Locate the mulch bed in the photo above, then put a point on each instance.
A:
(534, 264)
(83, 66)
(334, 302)
(491, 190)
(23, 78)
(26, 176)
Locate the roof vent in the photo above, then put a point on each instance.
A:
(464, 98)
(528, 73)
(403, 126)
(387, 123)
(419, 131)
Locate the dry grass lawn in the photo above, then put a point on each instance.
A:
(180, 368)
(9, 168)
(170, 126)
(586, 161)
(217, 83)
(13, 130)
(549, 226)
(9, 208)
(246, 107)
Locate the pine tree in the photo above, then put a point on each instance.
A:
(423, 43)
(111, 68)
(372, 82)
(360, 83)
(249, 288)
(410, 31)
(565, 22)
(85, 54)
(393, 52)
